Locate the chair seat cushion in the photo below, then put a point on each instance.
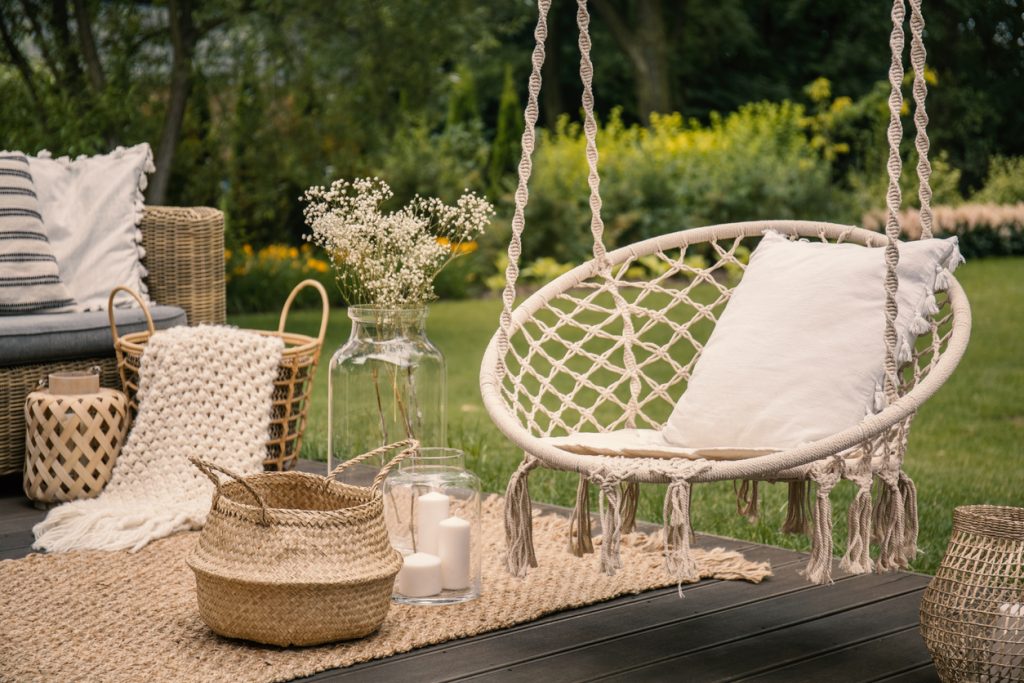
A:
(48, 337)
(645, 443)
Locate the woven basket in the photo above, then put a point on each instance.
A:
(972, 613)
(292, 388)
(290, 558)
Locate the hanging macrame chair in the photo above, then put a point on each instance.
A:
(540, 374)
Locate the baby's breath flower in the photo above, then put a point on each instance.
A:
(390, 258)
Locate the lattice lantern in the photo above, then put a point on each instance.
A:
(74, 432)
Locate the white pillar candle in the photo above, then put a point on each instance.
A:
(420, 575)
(1007, 643)
(453, 546)
(431, 508)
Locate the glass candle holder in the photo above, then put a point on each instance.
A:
(432, 511)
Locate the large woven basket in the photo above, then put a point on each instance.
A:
(289, 558)
(972, 613)
(292, 388)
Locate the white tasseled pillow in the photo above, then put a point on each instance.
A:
(798, 353)
(91, 207)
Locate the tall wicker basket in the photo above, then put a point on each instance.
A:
(292, 388)
(290, 558)
(972, 613)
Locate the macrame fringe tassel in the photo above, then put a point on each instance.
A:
(857, 559)
(819, 567)
(910, 525)
(630, 499)
(798, 508)
(611, 526)
(580, 541)
(519, 520)
(890, 524)
(746, 499)
(678, 534)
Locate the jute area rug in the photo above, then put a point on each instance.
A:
(118, 616)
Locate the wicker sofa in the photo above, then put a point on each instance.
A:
(185, 260)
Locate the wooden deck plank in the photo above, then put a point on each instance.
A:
(782, 646)
(592, 624)
(903, 649)
(693, 633)
(920, 674)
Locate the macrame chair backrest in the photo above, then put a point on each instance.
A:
(893, 196)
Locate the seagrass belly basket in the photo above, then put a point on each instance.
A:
(290, 558)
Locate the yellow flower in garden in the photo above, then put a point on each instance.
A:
(466, 248)
(317, 265)
(444, 241)
(227, 254)
(247, 249)
(293, 253)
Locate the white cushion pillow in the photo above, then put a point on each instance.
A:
(91, 208)
(29, 277)
(798, 353)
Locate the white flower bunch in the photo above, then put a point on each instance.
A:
(390, 259)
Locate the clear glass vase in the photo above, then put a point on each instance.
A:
(387, 383)
(432, 511)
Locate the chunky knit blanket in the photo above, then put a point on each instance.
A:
(202, 390)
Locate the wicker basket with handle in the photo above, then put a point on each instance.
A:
(290, 558)
(292, 388)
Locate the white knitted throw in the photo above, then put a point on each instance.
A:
(202, 390)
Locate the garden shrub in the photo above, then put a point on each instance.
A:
(983, 229)
(754, 163)
(260, 280)
(1004, 184)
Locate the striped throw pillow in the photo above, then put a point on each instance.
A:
(29, 276)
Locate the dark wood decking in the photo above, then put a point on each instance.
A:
(862, 628)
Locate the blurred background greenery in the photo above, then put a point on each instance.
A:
(711, 111)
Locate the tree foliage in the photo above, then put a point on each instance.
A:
(247, 102)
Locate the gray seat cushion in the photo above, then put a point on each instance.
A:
(45, 337)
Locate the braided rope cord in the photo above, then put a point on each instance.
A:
(924, 167)
(528, 141)
(893, 197)
(590, 128)
(596, 222)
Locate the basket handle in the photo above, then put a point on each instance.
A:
(324, 300)
(409, 447)
(138, 299)
(208, 468)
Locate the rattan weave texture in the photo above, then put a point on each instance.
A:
(290, 558)
(185, 259)
(972, 613)
(292, 386)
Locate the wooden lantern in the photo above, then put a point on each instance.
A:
(72, 439)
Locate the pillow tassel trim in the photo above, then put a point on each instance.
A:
(140, 212)
(921, 324)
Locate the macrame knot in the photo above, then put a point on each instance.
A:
(519, 519)
(826, 476)
(857, 559)
(611, 519)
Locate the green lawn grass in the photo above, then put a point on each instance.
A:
(966, 445)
